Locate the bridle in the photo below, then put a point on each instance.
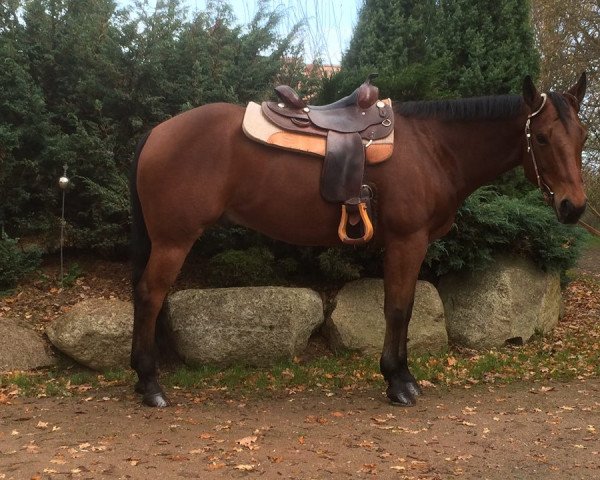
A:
(544, 188)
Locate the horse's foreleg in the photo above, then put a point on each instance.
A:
(402, 263)
(149, 294)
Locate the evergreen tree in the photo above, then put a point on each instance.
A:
(23, 126)
(394, 39)
(486, 47)
(426, 49)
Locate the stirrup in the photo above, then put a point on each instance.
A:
(367, 225)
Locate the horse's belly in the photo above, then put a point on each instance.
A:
(309, 222)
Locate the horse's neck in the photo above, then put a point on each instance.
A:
(482, 151)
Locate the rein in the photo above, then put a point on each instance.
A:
(543, 186)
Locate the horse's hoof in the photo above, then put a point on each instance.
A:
(158, 400)
(403, 394)
(414, 389)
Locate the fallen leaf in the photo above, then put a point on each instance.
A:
(178, 458)
(245, 467)
(32, 448)
(247, 441)
(370, 468)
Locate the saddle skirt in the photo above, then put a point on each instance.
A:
(258, 127)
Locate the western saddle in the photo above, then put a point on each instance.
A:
(346, 124)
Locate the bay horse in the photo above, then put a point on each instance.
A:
(198, 167)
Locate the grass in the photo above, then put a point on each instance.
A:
(346, 371)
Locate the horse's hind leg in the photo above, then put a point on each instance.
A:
(403, 259)
(149, 294)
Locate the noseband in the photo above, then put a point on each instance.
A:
(544, 188)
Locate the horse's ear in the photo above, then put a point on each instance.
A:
(530, 93)
(578, 90)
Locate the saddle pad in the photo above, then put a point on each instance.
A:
(258, 128)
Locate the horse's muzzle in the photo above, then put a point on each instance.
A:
(569, 213)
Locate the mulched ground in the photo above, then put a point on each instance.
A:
(526, 430)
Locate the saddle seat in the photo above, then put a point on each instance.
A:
(345, 123)
(360, 112)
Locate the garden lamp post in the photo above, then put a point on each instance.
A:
(63, 183)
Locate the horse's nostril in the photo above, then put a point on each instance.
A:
(566, 206)
(569, 213)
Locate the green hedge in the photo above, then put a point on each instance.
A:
(15, 262)
(490, 223)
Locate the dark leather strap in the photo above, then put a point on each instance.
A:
(343, 168)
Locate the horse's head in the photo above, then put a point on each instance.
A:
(555, 138)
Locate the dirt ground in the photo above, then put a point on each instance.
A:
(520, 431)
(523, 431)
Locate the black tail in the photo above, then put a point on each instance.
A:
(140, 241)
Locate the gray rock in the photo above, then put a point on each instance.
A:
(510, 300)
(358, 321)
(96, 333)
(21, 347)
(253, 326)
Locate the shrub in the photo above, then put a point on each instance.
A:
(490, 223)
(338, 266)
(15, 262)
(254, 266)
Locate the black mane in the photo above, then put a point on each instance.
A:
(476, 108)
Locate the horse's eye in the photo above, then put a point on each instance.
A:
(541, 139)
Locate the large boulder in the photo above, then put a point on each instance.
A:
(358, 321)
(509, 301)
(253, 325)
(21, 347)
(96, 333)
